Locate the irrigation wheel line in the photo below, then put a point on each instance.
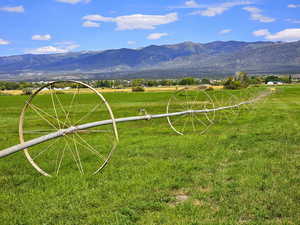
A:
(59, 118)
(190, 100)
(65, 132)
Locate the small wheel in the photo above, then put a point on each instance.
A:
(185, 100)
(59, 105)
(223, 98)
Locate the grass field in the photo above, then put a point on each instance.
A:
(245, 172)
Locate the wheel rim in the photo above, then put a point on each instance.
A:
(48, 110)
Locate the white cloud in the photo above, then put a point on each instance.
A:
(287, 35)
(225, 31)
(73, 1)
(39, 37)
(191, 4)
(13, 9)
(256, 15)
(293, 6)
(214, 10)
(155, 36)
(293, 21)
(96, 17)
(4, 42)
(262, 32)
(61, 47)
(131, 42)
(89, 23)
(47, 50)
(136, 21)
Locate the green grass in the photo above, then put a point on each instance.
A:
(245, 172)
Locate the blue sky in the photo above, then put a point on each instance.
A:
(58, 26)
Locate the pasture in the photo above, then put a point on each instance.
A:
(244, 172)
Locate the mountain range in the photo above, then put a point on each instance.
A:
(214, 59)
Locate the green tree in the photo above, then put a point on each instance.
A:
(272, 78)
(137, 82)
(243, 78)
(205, 81)
(187, 81)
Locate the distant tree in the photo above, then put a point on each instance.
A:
(137, 82)
(271, 78)
(205, 81)
(187, 81)
(232, 84)
(256, 80)
(243, 78)
(103, 83)
(165, 82)
(151, 83)
(9, 85)
(240, 80)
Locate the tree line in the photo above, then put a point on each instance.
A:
(240, 80)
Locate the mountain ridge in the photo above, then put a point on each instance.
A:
(188, 58)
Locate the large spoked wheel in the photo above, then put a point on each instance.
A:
(60, 105)
(188, 100)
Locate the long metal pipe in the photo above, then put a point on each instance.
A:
(62, 132)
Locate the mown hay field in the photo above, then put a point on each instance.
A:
(244, 172)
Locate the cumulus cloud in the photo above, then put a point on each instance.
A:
(256, 15)
(135, 21)
(73, 1)
(214, 10)
(131, 42)
(13, 9)
(287, 35)
(89, 23)
(293, 6)
(155, 36)
(61, 47)
(39, 37)
(4, 42)
(225, 31)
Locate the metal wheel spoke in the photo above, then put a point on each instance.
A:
(61, 159)
(199, 120)
(54, 107)
(67, 121)
(77, 153)
(87, 115)
(91, 148)
(49, 146)
(74, 157)
(178, 118)
(184, 125)
(192, 120)
(37, 111)
(72, 102)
